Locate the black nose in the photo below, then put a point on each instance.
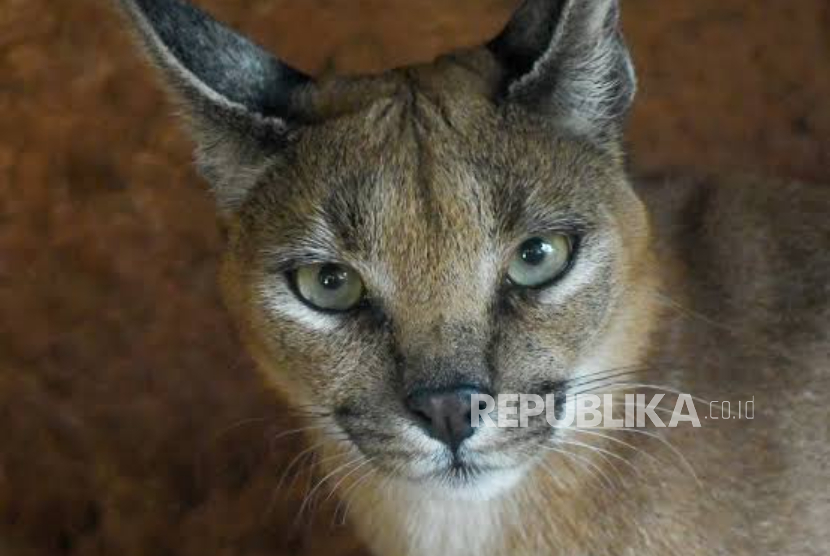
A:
(445, 414)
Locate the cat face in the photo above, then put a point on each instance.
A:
(429, 203)
(399, 243)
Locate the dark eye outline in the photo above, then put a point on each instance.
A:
(574, 244)
(291, 278)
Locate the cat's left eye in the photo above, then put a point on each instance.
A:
(540, 260)
(328, 286)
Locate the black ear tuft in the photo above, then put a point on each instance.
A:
(527, 37)
(237, 97)
(567, 59)
(216, 57)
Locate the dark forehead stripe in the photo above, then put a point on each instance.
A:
(509, 198)
(421, 128)
(346, 211)
(377, 183)
(350, 204)
(434, 162)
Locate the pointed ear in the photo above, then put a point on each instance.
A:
(567, 58)
(236, 97)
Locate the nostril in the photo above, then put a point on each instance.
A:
(420, 414)
(420, 405)
(444, 414)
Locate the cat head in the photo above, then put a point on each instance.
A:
(398, 242)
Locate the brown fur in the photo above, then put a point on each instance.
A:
(731, 262)
(424, 180)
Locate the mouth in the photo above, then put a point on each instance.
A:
(462, 479)
(458, 472)
(481, 467)
(465, 482)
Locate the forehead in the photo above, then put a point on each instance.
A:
(429, 163)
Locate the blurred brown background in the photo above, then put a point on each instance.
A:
(131, 422)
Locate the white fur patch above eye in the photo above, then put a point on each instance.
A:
(280, 301)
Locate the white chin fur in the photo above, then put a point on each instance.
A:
(484, 487)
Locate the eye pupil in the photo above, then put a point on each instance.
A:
(328, 286)
(539, 260)
(332, 276)
(534, 251)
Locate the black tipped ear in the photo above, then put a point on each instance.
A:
(236, 96)
(567, 58)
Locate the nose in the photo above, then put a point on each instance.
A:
(444, 414)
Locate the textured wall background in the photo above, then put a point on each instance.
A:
(130, 421)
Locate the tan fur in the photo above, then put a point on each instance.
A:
(425, 180)
(749, 499)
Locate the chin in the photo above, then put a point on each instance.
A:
(467, 484)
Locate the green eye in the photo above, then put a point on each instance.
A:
(539, 260)
(329, 286)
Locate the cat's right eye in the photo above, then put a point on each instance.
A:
(540, 260)
(328, 286)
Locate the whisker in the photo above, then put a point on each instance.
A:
(605, 454)
(619, 386)
(606, 374)
(291, 432)
(668, 445)
(585, 461)
(296, 460)
(384, 484)
(657, 408)
(310, 495)
(688, 312)
(341, 497)
(344, 502)
(617, 441)
(553, 473)
(346, 476)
